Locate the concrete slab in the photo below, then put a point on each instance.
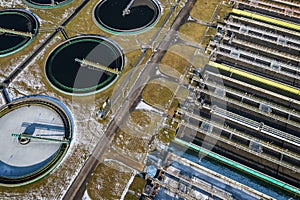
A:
(36, 120)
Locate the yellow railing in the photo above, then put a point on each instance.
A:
(267, 19)
(255, 78)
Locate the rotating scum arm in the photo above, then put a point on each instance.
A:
(97, 66)
(26, 136)
(11, 31)
(126, 11)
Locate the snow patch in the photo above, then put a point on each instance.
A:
(158, 73)
(10, 4)
(144, 106)
(127, 186)
(86, 196)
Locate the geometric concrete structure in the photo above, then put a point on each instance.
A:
(84, 65)
(35, 135)
(47, 3)
(127, 17)
(18, 28)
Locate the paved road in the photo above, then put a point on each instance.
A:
(78, 187)
(115, 155)
(120, 88)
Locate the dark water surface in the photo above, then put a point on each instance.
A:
(46, 2)
(143, 13)
(17, 20)
(71, 76)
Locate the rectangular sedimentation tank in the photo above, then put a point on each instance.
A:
(258, 60)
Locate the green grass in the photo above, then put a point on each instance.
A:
(135, 133)
(137, 184)
(141, 124)
(192, 31)
(184, 52)
(182, 93)
(107, 183)
(128, 142)
(166, 135)
(203, 9)
(173, 65)
(140, 118)
(136, 187)
(209, 36)
(166, 89)
(173, 126)
(223, 11)
(83, 22)
(173, 107)
(157, 95)
(130, 196)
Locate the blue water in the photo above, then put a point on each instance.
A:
(231, 173)
(189, 172)
(162, 195)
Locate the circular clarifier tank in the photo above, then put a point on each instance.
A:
(17, 29)
(126, 16)
(84, 65)
(35, 135)
(47, 3)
